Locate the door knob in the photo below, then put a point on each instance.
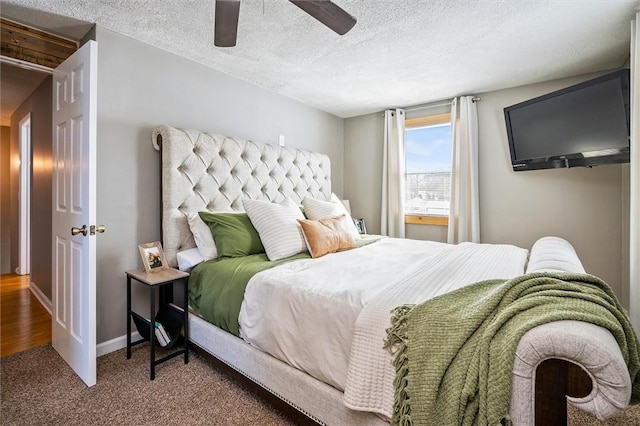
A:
(76, 231)
(97, 228)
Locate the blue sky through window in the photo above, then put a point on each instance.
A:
(428, 149)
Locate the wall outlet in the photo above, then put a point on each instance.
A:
(281, 140)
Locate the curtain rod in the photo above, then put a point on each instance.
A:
(428, 106)
(474, 99)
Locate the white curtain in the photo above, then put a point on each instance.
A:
(634, 174)
(392, 214)
(464, 213)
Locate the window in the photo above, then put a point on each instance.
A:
(428, 169)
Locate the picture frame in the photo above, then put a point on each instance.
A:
(360, 225)
(153, 257)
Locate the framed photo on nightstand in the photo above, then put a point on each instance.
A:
(152, 256)
(360, 225)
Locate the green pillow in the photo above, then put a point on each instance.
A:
(233, 234)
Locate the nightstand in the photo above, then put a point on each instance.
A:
(174, 318)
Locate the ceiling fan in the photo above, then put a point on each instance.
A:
(325, 11)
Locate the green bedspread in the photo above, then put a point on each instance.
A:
(455, 353)
(216, 287)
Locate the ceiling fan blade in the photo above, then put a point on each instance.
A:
(329, 13)
(226, 23)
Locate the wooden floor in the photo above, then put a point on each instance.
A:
(24, 323)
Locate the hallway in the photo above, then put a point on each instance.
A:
(24, 323)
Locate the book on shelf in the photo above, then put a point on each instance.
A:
(161, 335)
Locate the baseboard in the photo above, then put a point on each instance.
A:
(116, 344)
(102, 348)
(42, 298)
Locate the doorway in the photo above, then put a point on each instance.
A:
(26, 75)
(25, 283)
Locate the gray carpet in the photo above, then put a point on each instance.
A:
(38, 388)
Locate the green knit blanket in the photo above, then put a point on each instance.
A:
(455, 353)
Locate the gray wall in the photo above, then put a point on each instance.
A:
(139, 87)
(363, 167)
(585, 206)
(39, 105)
(5, 200)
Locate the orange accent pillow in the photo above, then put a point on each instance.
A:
(324, 236)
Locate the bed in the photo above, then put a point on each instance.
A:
(215, 173)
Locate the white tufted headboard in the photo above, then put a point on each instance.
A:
(205, 171)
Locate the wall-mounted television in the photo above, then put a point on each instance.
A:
(583, 125)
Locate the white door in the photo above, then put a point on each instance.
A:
(73, 328)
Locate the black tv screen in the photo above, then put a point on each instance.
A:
(582, 125)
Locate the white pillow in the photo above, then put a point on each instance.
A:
(319, 209)
(277, 225)
(202, 235)
(187, 259)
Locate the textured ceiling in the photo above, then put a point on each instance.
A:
(400, 53)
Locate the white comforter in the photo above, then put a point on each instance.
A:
(310, 313)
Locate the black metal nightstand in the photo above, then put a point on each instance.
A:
(176, 319)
